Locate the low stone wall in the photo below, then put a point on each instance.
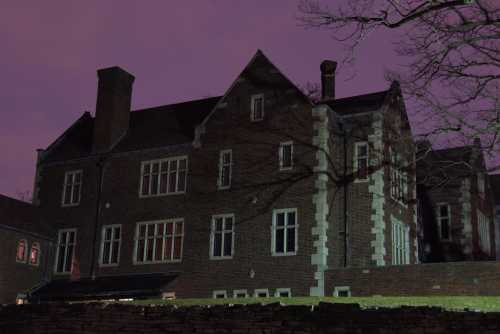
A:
(325, 318)
(451, 278)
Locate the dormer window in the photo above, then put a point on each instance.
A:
(257, 107)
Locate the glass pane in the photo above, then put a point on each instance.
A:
(149, 250)
(443, 211)
(170, 228)
(60, 260)
(161, 229)
(362, 150)
(182, 181)
(142, 231)
(145, 185)
(78, 177)
(178, 228)
(226, 158)
(163, 183)
(290, 240)
(114, 253)
(105, 253)
(291, 219)
(229, 224)
(69, 259)
(182, 164)
(140, 251)
(67, 195)
(21, 249)
(117, 233)
(177, 248)
(217, 244)
(445, 229)
(287, 156)
(147, 169)
(171, 182)
(280, 241)
(280, 219)
(164, 166)
(107, 233)
(168, 248)
(151, 230)
(69, 179)
(155, 168)
(34, 255)
(159, 248)
(76, 193)
(173, 165)
(225, 175)
(71, 237)
(228, 244)
(154, 184)
(218, 224)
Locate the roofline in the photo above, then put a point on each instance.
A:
(176, 104)
(20, 230)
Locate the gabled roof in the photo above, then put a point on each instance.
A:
(105, 287)
(22, 216)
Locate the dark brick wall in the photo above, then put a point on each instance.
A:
(451, 278)
(272, 318)
(16, 277)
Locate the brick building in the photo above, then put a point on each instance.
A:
(25, 249)
(256, 192)
(456, 204)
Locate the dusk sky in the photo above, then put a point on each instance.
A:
(177, 50)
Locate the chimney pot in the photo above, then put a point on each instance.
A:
(328, 68)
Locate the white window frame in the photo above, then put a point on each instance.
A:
(280, 290)
(252, 107)
(177, 178)
(398, 178)
(224, 231)
(26, 250)
(111, 242)
(356, 158)
(285, 227)
(72, 173)
(174, 234)
(281, 155)
(67, 244)
(241, 291)
(338, 289)
(400, 239)
(440, 219)
(37, 262)
(219, 292)
(483, 229)
(220, 186)
(257, 291)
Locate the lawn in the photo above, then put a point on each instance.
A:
(486, 304)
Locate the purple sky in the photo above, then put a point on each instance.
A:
(177, 50)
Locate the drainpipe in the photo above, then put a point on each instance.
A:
(100, 167)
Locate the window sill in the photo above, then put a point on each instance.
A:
(361, 180)
(36, 265)
(156, 262)
(286, 169)
(70, 205)
(109, 265)
(162, 195)
(223, 188)
(218, 258)
(284, 254)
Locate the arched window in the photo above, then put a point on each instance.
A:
(35, 254)
(21, 250)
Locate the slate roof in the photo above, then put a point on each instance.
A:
(149, 128)
(358, 103)
(22, 216)
(105, 287)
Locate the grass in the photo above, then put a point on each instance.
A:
(485, 304)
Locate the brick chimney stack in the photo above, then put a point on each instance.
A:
(328, 68)
(114, 94)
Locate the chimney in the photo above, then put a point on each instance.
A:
(112, 114)
(328, 79)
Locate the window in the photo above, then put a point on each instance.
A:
(400, 243)
(283, 292)
(286, 155)
(220, 294)
(284, 232)
(66, 243)
(240, 294)
(110, 245)
(22, 251)
(159, 242)
(35, 254)
(261, 293)
(222, 237)
(361, 161)
(163, 177)
(443, 215)
(72, 188)
(225, 169)
(399, 179)
(257, 106)
(483, 231)
(342, 291)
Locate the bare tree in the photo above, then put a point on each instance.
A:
(453, 47)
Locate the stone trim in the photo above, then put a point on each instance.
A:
(376, 189)
(320, 200)
(466, 216)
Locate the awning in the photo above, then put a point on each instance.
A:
(104, 287)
